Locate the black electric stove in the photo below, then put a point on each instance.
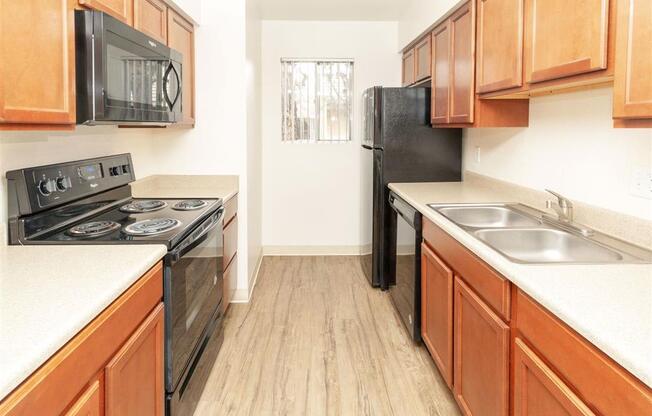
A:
(90, 202)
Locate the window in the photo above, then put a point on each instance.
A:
(317, 100)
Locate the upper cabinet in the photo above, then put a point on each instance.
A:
(37, 35)
(423, 60)
(120, 9)
(151, 18)
(565, 38)
(633, 78)
(454, 99)
(181, 36)
(499, 45)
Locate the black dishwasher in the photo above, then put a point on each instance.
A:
(405, 265)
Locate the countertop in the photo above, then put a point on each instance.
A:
(186, 186)
(49, 293)
(610, 305)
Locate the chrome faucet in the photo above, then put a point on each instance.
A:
(563, 207)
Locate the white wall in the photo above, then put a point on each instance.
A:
(311, 192)
(253, 72)
(418, 15)
(570, 147)
(217, 145)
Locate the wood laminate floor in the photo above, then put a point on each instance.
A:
(316, 339)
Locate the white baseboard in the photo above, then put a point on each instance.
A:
(244, 295)
(313, 250)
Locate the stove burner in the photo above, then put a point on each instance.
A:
(151, 227)
(190, 205)
(94, 229)
(139, 207)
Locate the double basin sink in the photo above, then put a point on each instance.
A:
(526, 235)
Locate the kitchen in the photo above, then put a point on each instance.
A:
(305, 332)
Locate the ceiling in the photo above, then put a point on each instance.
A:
(381, 10)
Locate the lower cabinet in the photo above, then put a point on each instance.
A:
(537, 389)
(134, 377)
(437, 311)
(113, 367)
(230, 259)
(481, 385)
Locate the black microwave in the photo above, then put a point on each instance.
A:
(124, 76)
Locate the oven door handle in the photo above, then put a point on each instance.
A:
(195, 240)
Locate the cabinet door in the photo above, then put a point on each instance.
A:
(120, 9)
(134, 377)
(409, 68)
(90, 403)
(441, 68)
(500, 45)
(423, 54)
(151, 17)
(462, 29)
(481, 356)
(537, 389)
(565, 37)
(633, 77)
(181, 36)
(37, 71)
(437, 311)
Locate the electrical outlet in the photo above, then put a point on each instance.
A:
(477, 154)
(641, 184)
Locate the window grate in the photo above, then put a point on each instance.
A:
(317, 100)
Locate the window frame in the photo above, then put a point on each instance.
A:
(317, 102)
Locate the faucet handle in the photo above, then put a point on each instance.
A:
(561, 200)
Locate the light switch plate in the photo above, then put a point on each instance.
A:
(641, 184)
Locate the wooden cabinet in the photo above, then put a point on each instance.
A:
(37, 36)
(230, 260)
(462, 95)
(409, 68)
(481, 379)
(604, 386)
(181, 36)
(114, 366)
(90, 403)
(441, 68)
(633, 79)
(565, 37)
(151, 18)
(120, 9)
(134, 377)
(537, 389)
(437, 311)
(454, 100)
(423, 59)
(499, 45)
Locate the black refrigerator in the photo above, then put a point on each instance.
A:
(399, 145)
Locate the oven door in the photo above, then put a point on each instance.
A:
(405, 291)
(193, 291)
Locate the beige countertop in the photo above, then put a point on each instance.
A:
(610, 305)
(49, 293)
(186, 186)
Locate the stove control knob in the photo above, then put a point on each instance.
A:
(47, 186)
(64, 183)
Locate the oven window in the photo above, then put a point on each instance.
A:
(134, 76)
(196, 280)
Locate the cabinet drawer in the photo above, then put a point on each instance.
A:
(230, 209)
(598, 381)
(487, 283)
(230, 242)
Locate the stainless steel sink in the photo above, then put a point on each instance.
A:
(487, 216)
(544, 245)
(526, 235)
